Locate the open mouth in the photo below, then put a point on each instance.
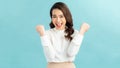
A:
(58, 25)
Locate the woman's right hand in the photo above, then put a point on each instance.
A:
(40, 29)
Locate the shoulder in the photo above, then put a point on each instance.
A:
(49, 31)
(75, 32)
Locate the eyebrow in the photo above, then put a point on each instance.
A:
(58, 15)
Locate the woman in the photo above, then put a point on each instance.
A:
(61, 43)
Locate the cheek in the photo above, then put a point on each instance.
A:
(53, 21)
(64, 21)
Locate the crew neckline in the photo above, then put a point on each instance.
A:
(58, 30)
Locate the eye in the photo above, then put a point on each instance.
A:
(53, 16)
(61, 16)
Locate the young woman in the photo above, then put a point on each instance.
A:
(61, 43)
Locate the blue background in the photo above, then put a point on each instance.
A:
(20, 45)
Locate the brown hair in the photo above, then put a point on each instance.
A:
(69, 22)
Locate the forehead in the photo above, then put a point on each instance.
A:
(57, 12)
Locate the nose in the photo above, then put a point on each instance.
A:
(58, 19)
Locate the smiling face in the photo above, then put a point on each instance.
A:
(58, 19)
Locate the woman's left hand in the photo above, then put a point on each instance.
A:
(84, 28)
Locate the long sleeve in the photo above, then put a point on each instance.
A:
(75, 45)
(59, 49)
(48, 48)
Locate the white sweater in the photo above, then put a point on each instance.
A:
(57, 48)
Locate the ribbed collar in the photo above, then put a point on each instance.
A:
(56, 30)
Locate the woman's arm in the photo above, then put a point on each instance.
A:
(77, 40)
(45, 40)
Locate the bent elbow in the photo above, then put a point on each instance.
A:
(70, 54)
(52, 56)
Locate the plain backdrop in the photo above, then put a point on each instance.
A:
(20, 45)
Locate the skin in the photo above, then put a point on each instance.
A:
(59, 22)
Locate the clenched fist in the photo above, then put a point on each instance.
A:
(40, 29)
(84, 28)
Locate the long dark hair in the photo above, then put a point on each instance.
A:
(69, 22)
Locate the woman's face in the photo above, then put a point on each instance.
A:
(58, 19)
